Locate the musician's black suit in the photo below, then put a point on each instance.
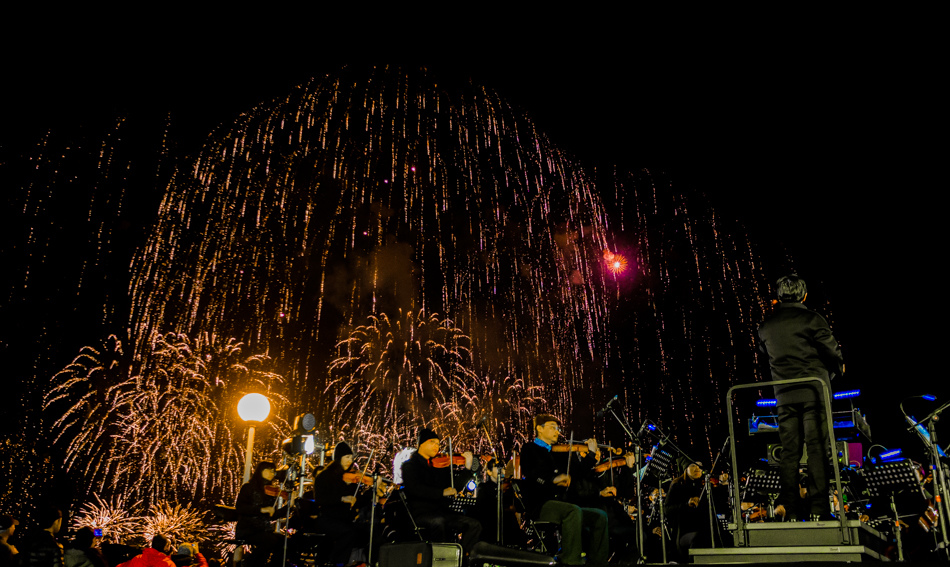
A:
(539, 467)
(799, 344)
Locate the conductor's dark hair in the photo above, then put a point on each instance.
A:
(160, 543)
(791, 288)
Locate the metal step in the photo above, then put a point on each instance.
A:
(789, 534)
(785, 554)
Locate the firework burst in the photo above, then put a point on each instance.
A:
(615, 262)
(115, 518)
(88, 396)
(395, 374)
(508, 405)
(166, 432)
(179, 523)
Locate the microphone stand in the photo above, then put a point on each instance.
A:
(372, 518)
(498, 481)
(941, 492)
(638, 455)
(708, 488)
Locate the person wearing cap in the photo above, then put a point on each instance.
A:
(545, 485)
(155, 555)
(255, 512)
(8, 525)
(429, 492)
(188, 554)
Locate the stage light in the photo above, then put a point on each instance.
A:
(893, 455)
(299, 445)
(847, 394)
(766, 403)
(305, 423)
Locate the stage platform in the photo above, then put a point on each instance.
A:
(793, 542)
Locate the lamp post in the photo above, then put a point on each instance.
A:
(253, 408)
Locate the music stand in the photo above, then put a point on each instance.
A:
(659, 467)
(767, 483)
(888, 479)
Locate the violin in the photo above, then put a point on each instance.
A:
(274, 491)
(612, 464)
(583, 449)
(441, 461)
(354, 477)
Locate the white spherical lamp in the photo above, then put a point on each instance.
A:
(253, 407)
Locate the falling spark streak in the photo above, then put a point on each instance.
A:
(302, 218)
(331, 232)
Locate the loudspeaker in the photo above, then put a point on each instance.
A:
(774, 454)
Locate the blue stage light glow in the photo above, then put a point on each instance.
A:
(847, 394)
(765, 403)
(891, 455)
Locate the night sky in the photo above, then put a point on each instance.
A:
(811, 152)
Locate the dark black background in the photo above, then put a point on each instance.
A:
(820, 147)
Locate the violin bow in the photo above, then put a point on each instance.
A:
(570, 454)
(451, 458)
(363, 472)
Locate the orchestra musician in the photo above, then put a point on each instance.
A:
(545, 484)
(486, 506)
(335, 501)
(428, 493)
(688, 521)
(256, 510)
(620, 474)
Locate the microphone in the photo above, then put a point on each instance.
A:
(607, 407)
(643, 426)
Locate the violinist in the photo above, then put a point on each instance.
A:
(428, 492)
(335, 503)
(545, 483)
(688, 520)
(255, 511)
(617, 483)
(486, 506)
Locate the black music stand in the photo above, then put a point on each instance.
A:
(888, 479)
(766, 483)
(659, 467)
